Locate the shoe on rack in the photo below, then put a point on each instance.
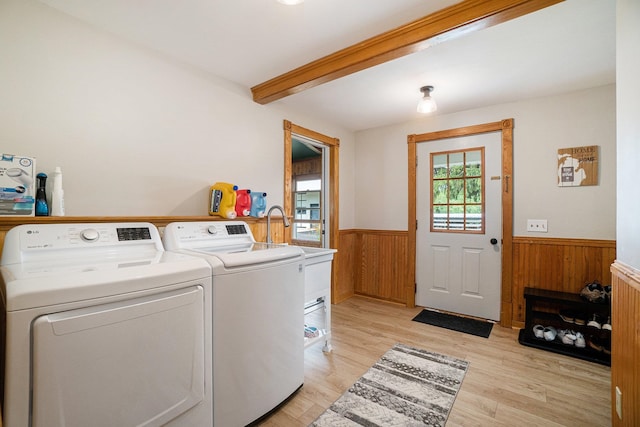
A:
(606, 290)
(538, 331)
(593, 292)
(567, 316)
(567, 337)
(580, 319)
(607, 325)
(580, 341)
(595, 322)
(550, 333)
(594, 343)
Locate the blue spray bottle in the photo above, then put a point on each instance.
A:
(42, 208)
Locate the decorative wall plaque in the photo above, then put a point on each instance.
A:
(578, 166)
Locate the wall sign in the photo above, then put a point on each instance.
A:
(578, 166)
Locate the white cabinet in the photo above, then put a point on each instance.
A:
(317, 295)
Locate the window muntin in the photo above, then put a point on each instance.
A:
(457, 191)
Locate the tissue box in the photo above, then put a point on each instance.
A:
(17, 185)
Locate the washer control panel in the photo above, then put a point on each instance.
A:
(196, 234)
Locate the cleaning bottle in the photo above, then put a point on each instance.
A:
(42, 208)
(258, 204)
(243, 202)
(222, 200)
(57, 194)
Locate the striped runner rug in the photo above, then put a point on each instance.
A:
(406, 387)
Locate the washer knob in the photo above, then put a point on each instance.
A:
(212, 229)
(89, 235)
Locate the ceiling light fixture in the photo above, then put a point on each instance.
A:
(290, 2)
(427, 104)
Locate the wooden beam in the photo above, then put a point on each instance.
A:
(446, 24)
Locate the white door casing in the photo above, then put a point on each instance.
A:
(460, 272)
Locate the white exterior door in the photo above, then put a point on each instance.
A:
(459, 212)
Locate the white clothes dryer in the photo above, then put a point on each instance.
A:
(258, 316)
(104, 328)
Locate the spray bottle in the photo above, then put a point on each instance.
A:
(42, 208)
(57, 194)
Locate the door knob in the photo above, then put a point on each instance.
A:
(494, 241)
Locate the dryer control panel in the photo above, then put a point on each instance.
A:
(46, 240)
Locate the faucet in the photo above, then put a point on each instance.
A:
(284, 219)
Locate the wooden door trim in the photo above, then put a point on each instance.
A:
(506, 129)
(443, 25)
(334, 208)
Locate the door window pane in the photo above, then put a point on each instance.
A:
(457, 191)
(307, 223)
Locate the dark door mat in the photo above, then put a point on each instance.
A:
(475, 327)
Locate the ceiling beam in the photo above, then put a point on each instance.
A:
(457, 20)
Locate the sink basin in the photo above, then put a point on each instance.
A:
(316, 255)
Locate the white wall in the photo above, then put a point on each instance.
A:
(135, 132)
(627, 71)
(542, 126)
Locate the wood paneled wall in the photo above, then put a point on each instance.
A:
(558, 264)
(307, 167)
(625, 343)
(344, 262)
(374, 263)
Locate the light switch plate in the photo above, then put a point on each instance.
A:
(537, 225)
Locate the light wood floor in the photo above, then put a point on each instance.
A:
(507, 384)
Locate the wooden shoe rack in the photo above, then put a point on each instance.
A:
(543, 308)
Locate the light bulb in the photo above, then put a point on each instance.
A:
(427, 104)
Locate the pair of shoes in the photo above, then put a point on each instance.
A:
(595, 293)
(547, 333)
(573, 317)
(572, 338)
(595, 343)
(601, 342)
(595, 321)
(567, 315)
(598, 322)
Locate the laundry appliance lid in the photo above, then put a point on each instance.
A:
(251, 254)
(30, 285)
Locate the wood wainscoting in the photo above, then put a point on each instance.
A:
(557, 264)
(625, 344)
(374, 263)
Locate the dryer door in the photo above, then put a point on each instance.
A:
(138, 362)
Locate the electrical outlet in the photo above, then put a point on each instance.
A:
(619, 402)
(537, 225)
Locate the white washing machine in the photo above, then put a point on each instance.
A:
(104, 328)
(258, 317)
